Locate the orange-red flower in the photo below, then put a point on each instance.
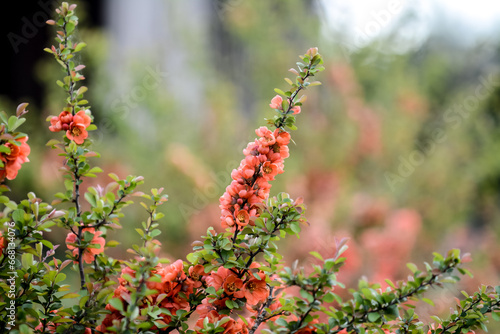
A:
(61, 122)
(76, 131)
(74, 125)
(196, 274)
(216, 279)
(14, 159)
(276, 102)
(269, 170)
(256, 290)
(242, 218)
(167, 296)
(296, 110)
(233, 286)
(2, 242)
(266, 136)
(89, 253)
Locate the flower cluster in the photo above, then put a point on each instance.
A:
(13, 156)
(249, 288)
(172, 287)
(74, 125)
(96, 244)
(250, 186)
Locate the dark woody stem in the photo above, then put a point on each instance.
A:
(291, 99)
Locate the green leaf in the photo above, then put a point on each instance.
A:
(95, 170)
(27, 260)
(373, 316)
(91, 199)
(91, 127)
(428, 301)
(306, 295)
(15, 122)
(52, 142)
(413, 268)
(60, 277)
(70, 296)
(329, 297)
(116, 303)
(112, 243)
(389, 282)
(436, 319)
(80, 46)
(279, 91)
(70, 26)
(314, 83)
(4, 149)
(47, 243)
(192, 257)
(229, 304)
(24, 329)
(316, 255)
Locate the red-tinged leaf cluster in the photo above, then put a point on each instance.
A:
(171, 284)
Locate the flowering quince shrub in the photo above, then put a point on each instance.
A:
(233, 282)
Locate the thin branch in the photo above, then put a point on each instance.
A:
(262, 312)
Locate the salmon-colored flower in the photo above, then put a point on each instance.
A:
(296, 110)
(256, 291)
(196, 275)
(14, 159)
(74, 125)
(76, 131)
(2, 242)
(216, 279)
(267, 136)
(89, 253)
(240, 327)
(61, 122)
(205, 307)
(242, 218)
(276, 102)
(233, 286)
(269, 170)
(108, 321)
